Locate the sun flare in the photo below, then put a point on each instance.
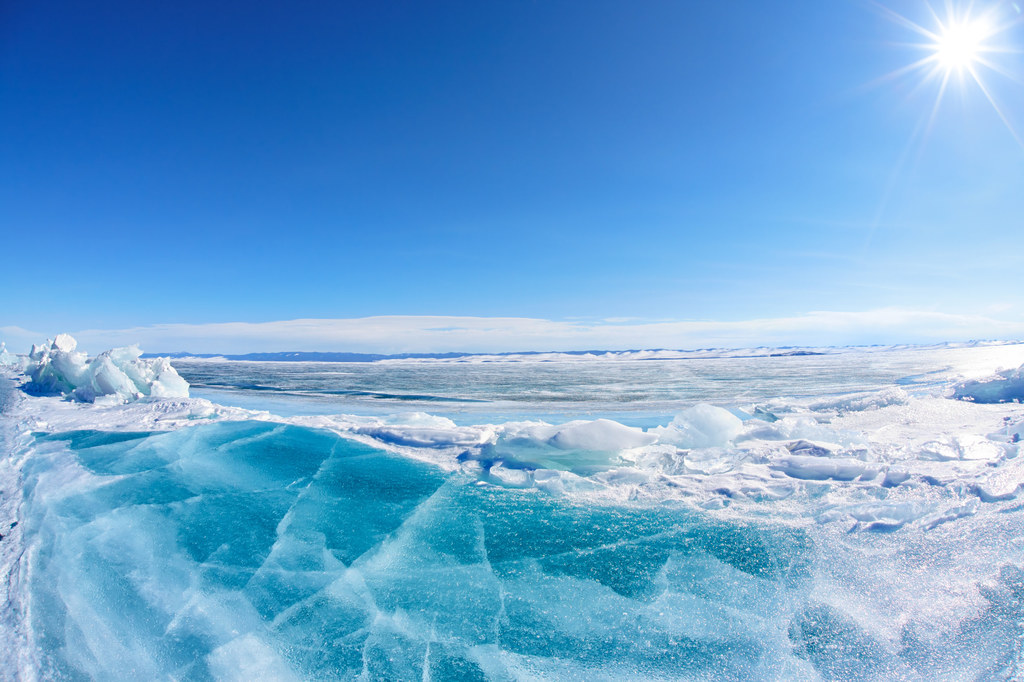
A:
(963, 48)
(960, 44)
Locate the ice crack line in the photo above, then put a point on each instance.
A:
(288, 517)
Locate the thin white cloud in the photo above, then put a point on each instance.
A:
(396, 334)
(19, 340)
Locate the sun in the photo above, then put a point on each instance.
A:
(960, 45)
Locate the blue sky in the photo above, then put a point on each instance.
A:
(206, 163)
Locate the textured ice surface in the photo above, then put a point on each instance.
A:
(869, 534)
(253, 550)
(293, 551)
(639, 392)
(119, 374)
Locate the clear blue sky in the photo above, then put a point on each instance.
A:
(202, 162)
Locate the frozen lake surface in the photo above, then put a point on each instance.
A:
(835, 516)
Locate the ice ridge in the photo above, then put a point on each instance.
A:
(116, 375)
(1006, 386)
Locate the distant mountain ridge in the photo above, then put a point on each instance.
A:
(314, 356)
(623, 354)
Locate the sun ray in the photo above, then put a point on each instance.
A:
(898, 18)
(938, 101)
(895, 174)
(893, 75)
(992, 66)
(998, 109)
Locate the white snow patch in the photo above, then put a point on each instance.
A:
(598, 435)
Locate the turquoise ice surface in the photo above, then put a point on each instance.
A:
(195, 553)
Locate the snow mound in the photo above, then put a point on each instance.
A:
(600, 434)
(1006, 386)
(701, 426)
(57, 368)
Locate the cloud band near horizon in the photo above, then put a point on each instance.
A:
(399, 334)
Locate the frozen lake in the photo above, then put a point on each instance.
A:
(834, 516)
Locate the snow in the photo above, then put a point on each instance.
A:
(820, 469)
(600, 434)
(858, 402)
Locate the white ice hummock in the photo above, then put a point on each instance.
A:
(1006, 386)
(57, 368)
(701, 426)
